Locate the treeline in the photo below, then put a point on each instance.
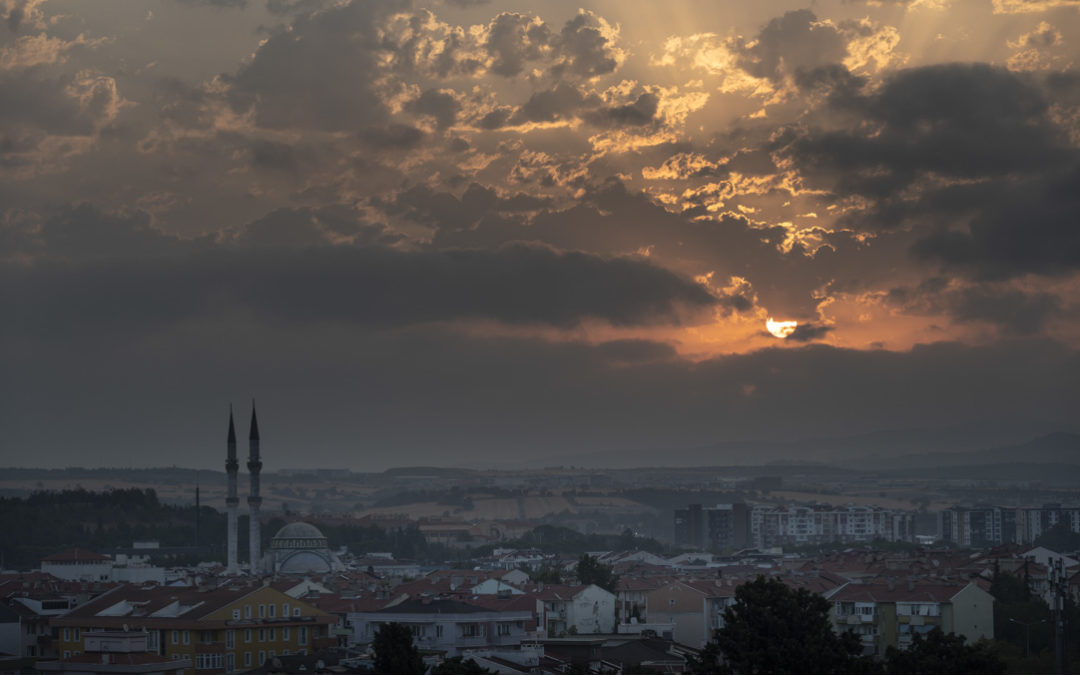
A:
(44, 523)
(556, 539)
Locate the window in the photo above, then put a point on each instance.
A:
(271, 654)
(469, 630)
(262, 611)
(67, 635)
(503, 629)
(438, 630)
(262, 635)
(301, 635)
(296, 611)
(262, 658)
(236, 615)
(176, 637)
(230, 663)
(273, 611)
(273, 635)
(152, 641)
(67, 654)
(76, 635)
(247, 611)
(247, 635)
(208, 661)
(230, 639)
(206, 636)
(284, 609)
(247, 659)
(284, 632)
(187, 637)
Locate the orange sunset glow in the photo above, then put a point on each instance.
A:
(463, 226)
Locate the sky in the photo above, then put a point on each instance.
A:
(469, 233)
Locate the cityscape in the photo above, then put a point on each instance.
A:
(463, 337)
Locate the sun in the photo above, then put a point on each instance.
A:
(781, 329)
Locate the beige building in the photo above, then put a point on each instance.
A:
(889, 613)
(236, 627)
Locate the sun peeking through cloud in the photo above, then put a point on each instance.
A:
(781, 329)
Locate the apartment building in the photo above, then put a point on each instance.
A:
(446, 625)
(221, 630)
(890, 612)
(800, 525)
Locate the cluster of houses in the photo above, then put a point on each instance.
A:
(75, 618)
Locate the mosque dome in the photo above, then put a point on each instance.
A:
(301, 548)
(299, 530)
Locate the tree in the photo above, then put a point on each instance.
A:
(458, 666)
(941, 654)
(395, 653)
(592, 571)
(774, 629)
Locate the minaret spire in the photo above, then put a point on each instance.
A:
(232, 502)
(254, 500)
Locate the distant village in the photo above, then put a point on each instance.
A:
(300, 603)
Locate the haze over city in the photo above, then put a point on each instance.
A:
(473, 234)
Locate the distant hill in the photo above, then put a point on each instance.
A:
(1056, 448)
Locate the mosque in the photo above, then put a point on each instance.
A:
(297, 548)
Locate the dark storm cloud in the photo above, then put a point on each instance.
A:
(371, 285)
(612, 218)
(1013, 309)
(84, 233)
(579, 50)
(320, 74)
(219, 4)
(641, 112)
(1029, 229)
(561, 102)
(379, 398)
(796, 41)
(968, 121)
(34, 98)
(808, 332)
(584, 48)
(300, 228)
(513, 41)
(440, 105)
(392, 137)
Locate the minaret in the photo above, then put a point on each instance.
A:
(232, 502)
(254, 500)
(197, 508)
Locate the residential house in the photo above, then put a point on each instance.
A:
(115, 653)
(885, 613)
(221, 630)
(446, 625)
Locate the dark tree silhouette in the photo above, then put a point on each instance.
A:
(592, 571)
(459, 666)
(395, 653)
(774, 629)
(941, 654)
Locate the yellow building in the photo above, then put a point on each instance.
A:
(234, 627)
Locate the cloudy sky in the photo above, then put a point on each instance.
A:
(483, 233)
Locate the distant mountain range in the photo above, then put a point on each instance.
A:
(1056, 448)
